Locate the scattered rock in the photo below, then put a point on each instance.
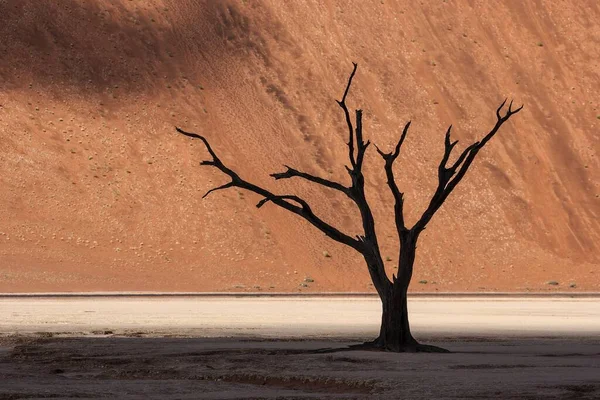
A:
(553, 283)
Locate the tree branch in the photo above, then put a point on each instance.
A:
(302, 210)
(375, 266)
(291, 172)
(215, 160)
(297, 199)
(357, 191)
(360, 144)
(448, 146)
(448, 177)
(389, 159)
(342, 103)
(225, 186)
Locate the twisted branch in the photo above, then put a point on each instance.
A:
(284, 201)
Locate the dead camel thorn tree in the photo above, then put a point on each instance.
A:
(395, 334)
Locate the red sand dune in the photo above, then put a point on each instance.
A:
(98, 192)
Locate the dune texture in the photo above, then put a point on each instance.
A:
(98, 191)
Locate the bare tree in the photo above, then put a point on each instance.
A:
(395, 334)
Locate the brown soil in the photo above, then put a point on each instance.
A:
(98, 192)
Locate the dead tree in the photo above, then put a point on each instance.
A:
(395, 334)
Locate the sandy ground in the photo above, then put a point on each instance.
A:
(177, 349)
(300, 317)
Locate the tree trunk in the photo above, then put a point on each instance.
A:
(394, 334)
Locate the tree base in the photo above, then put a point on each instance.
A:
(375, 345)
(415, 347)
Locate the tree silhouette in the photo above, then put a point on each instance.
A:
(395, 334)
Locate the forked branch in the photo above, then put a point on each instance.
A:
(354, 133)
(342, 103)
(449, 177)
(357, 192)
(291, 203)
(389, 159)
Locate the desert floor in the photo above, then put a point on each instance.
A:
(226, 347)
(299, 317)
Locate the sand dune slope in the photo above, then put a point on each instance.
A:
(98, 192)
